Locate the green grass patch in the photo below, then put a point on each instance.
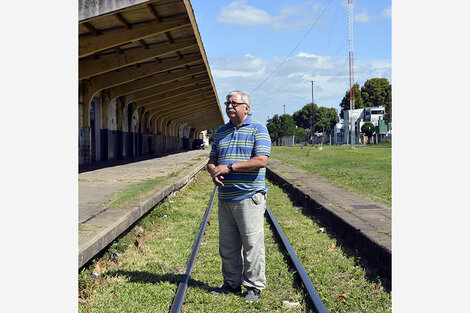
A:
(365, 170)
(137, 191)
(334, 269)
(152, 257)
(140, 190)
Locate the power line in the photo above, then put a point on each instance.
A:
(327, 5)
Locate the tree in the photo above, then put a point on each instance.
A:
(279, 126)
(368, 129)
(301, 134)
(358, 101)
(274, 125)
(326, 119)
(303, 117)
(211, 133)
(377, 92)
(287, 125)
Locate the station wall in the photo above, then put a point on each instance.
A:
(119, 131)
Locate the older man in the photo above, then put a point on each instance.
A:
(237, 164)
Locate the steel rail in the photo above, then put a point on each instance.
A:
(317, 303)
(178, 300)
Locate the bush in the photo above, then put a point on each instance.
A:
(386, 142)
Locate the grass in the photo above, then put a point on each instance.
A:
(136, 191)
(139, 190)
(365, 170)
(343, 281)
(152, 258)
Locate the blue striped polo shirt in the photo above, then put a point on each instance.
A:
(236, 144)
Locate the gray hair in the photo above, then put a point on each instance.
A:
(244, 96)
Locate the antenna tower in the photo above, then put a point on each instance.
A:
(351, 75)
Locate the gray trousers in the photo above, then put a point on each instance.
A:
(241, 224)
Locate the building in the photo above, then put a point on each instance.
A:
(145, 86)
(374, 115)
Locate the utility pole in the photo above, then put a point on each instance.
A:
(311, 129)
(284, 108)
(351, 75)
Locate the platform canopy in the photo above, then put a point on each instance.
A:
(150, 54)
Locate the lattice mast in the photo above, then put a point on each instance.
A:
(351, 74)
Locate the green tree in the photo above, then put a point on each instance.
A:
(274, 125)
(303, 117)
(211, 134)
(378, 92)
(301, 134)
(279, 126)
(368, 129)
(287, 127)
(358, 101)
(326, 119)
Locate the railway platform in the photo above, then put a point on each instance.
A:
(365, 224)
(99, 221)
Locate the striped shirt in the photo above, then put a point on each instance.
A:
(237, 144)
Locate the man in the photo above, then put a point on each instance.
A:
(237, 164)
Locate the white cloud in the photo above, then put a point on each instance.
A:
(386, 13)
(238, 12)
(290, 84)
(246, 64)
(364, 17)
(289, 17)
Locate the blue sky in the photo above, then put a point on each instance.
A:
(287, 44)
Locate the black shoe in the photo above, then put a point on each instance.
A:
(252, 295)
(226, 288)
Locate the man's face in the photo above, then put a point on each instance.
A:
(237, 113)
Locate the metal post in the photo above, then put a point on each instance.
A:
(311, 130)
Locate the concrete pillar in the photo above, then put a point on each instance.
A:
(159, 145)
(84, 145)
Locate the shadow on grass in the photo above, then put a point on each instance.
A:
(145, 277)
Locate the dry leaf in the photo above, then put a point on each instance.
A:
(374, 287)
(138, 243)
(331, 247)
(341, 297)
(99, 269)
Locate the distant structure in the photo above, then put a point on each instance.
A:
(342, 131)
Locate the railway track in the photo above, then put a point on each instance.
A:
(313, 298)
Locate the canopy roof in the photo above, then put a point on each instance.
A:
(149, 53)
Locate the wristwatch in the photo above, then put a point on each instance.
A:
(230, 167)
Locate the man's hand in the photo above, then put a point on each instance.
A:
(217, 182)
(217, 174)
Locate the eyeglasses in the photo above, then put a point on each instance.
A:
(233, 103)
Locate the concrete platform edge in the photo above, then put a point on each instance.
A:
(94, 246)
(378, 255)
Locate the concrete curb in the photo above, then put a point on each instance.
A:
(357, 234)
(95, 245)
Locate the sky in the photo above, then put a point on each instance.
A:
(273, 49)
